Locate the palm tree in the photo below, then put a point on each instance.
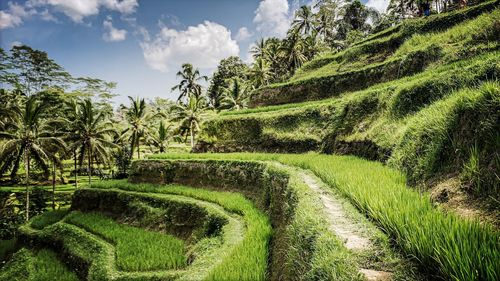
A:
(190, 115)
(325, 19)
(236, 96)
(258, 49)
(294, 49)
(304, 20)
(72, 132)
(260, 73)
(92, 135)
(161, 139)
(275, 60)
(137, 117)
(189, 83)
(354, 16)
(29, 140)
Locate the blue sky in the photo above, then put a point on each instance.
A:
(141, 44)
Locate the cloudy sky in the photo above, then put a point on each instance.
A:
(140, 44)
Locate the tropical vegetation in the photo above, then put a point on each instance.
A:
(360, 144)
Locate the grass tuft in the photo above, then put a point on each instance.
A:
(136, 249)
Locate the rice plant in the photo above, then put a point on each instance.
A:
(137, 249)
(442, 243)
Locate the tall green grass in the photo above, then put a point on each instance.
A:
(47, 218)
(458, 41)
(463, 73)
(41, 265)
(248, 259)
(7, 247)
(136, 249)
(388, 58)
(442, 243)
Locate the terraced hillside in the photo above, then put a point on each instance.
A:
(254, 217)
(422, 97)
(419, 101)
(120, 231)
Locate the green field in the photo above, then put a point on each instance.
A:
(418, 228)
(360, 146)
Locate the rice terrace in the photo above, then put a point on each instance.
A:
(250, 140)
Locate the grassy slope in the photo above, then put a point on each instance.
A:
(438, 122)
(40, 265)
(229, 257)
(422, 125)
(442, 243)
(136, 249)
(385, 58)
(473, 36)
(304, 248)
(247, 261)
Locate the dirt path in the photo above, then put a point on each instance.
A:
(345, 227)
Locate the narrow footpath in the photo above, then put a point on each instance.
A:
(345, 227)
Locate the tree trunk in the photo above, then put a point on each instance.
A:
(90, 167)
(192, 135)
(27, 177)
(54, 185)
(76, 172)
(138, 149)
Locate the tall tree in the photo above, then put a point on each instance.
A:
(227, 69)
(304, 21)
(137, 117)
(258, 49)
(31, 71)
(189, 85)
(260, 73)
(29, 140)
(190, 115)
(294, 49)
(97, 89)
(92, 135)
(236, 95)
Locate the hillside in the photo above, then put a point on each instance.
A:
(438, 123)
(406, 49)
(380, 162)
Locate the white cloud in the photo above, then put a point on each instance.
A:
(79, 9)
(16, 43)
(113, 34)
(380, 5)
(123, 6)
(272, 18)
(47, 16)
(14, 15)
(243, 34)
(203, 46)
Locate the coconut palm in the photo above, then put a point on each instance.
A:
(294, 49)
(325, 19)
(236, 96)
(29, 140)
(161, 138)
(189, 84)
(304, 20)
(92, 135)
(190, 115)
(137, 117)
(258, 49)
(260, 73)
